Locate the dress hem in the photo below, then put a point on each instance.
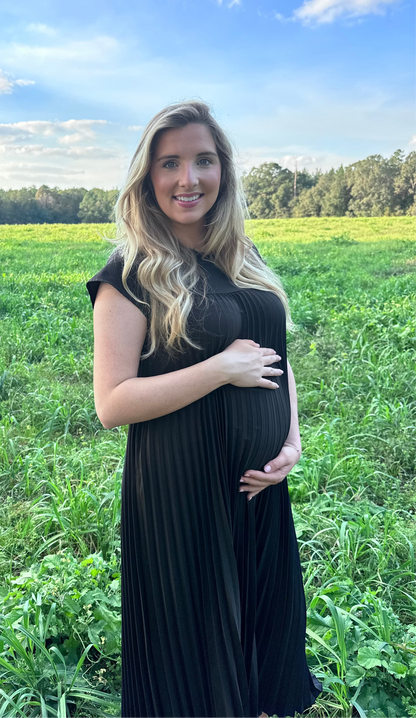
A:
(318, 689)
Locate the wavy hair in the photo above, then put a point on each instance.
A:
(168, 270)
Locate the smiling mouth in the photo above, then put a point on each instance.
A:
(188, 198)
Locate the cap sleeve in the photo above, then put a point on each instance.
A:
(111, 274)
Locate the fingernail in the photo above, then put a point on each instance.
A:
(242, 480)
(267, 468)
(248, 475)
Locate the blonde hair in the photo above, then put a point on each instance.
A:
(168, 270)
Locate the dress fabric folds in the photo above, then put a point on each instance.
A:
(213, 604)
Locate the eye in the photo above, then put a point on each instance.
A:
(205, 159)
(169, 162)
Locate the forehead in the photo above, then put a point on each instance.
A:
(189, 137)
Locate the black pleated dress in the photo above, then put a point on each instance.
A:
(213, 604)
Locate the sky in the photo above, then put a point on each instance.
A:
(316, 83)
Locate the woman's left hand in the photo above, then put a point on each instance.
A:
(255, 481)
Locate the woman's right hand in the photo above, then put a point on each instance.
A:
(246, 363)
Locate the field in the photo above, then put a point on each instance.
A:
(352, 290)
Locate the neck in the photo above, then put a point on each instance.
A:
(190, 235)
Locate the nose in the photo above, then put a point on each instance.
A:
(188, 176)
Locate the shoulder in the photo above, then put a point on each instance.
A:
(112, 273)
(115, 263)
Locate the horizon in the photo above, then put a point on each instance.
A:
(313, 173)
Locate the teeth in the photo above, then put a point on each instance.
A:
(188, 199)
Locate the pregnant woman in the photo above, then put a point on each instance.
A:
(190, 352)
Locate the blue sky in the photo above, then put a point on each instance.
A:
(320, 82)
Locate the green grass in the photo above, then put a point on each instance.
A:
(352, 289)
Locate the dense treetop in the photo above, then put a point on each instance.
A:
(52, 205)
(373, 187)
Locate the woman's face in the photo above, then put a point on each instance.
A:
(186, 165)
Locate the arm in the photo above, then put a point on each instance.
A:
(143, 398)
(121, 397)
(293, 438)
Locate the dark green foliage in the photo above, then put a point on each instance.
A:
(52, 205)
(405, 185)
(97, 205)
(269, 190)
(60, 638)
(373, 187)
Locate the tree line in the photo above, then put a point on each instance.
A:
(372, 187)
(52, 205)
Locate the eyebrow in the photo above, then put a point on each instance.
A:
(176, 157)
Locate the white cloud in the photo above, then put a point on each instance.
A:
(32, 127)
(23, 165)
(79, 52)
(255, 156)
(40, 28)
(136, 128)
(82, 126)
(30, 167)
(29, 174)
(31, 140)
(10, 138)
(281, 18)
(413, 140)
(231, 3)
(22, 83)
(7, 83)
(76, 152)
(93, 172)
(69, 139)
(326, 11)
(48, 128)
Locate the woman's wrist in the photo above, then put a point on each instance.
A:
(218, 368)
(294, 445)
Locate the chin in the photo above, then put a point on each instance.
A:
(187, 218)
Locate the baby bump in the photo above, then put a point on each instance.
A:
(257, 422)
